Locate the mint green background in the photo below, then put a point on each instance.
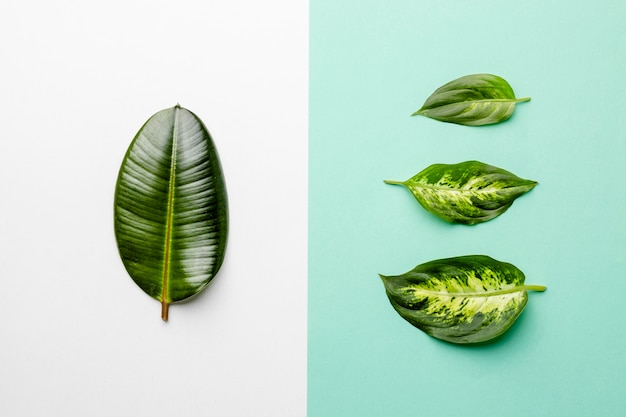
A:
(372, 63)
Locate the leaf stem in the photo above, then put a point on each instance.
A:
(393, 182)
(165, 308)
(535, 287)
(520, 100)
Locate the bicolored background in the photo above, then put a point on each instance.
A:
(309, 105)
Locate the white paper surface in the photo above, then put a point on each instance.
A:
(77, 80)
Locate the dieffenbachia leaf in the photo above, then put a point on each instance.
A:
(171, 213)
(467, 299)
(468, 192)
(473, 100)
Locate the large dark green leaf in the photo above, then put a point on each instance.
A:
(171, 214)
(468, 192)
(473, 100)
(467, 299)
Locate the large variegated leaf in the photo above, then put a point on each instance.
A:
(473, 100)
(467, 299)
(171, 214)
(468, 192)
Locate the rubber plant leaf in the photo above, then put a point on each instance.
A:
(468, 192)
(467, 299)
(473, 100)
(171, 211)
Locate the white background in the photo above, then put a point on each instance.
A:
(77, 80)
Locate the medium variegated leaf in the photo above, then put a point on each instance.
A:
(468, 192)
(171, 212)
(473, 100)
(467, 299)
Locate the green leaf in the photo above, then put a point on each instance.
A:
(171, 213)
(473, 100)
(467, 299)
(469, 192)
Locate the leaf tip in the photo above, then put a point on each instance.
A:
(532, 184)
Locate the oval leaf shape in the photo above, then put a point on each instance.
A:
(467, 299)
(171, 211)
(473, 100)
(468, 192)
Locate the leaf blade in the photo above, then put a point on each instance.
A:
(469, 192)
(467, 299)
(472, 100)
(170, 210)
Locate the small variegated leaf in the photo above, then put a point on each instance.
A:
(467, 299)
(473, 100)
(468, 192)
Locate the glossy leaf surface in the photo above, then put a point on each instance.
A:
(171, 213)
(473, 100)
(468, 192)
(467, 299)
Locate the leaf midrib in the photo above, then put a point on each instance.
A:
(423, 110)
(447, 189)
(169, 217)
(456, 190)
(518, 288)
(484, 100)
